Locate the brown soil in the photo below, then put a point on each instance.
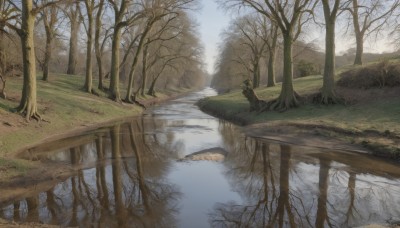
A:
(4, 223)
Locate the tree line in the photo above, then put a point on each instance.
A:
(267, 26)
(130, 41)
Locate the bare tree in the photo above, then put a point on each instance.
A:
(252, 37)
(289, 16)
(24, 28)
(121, 20)
(99, 45)
(271, 42)
(368, 16)
(89, 5)
(72, 12)
(328, 95)
(50, 19)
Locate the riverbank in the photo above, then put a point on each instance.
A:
(66, 109)
(370, 118)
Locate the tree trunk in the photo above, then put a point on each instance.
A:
(73, 42)
(271, 60)
(359, 34)
(328, 95)
(287, 98)
(144, 70)
(28, 104)
(47, 54)
(151, 90)
(359, 48)
(256, 74)
(114, 75)
(97, 47)
(48, 50)
(89, 63)
(128, 97)
(256, 104)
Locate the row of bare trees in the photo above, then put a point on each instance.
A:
(148, 39)
(267, 24)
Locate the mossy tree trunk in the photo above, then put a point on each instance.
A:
(287, 98)
(28, 103)
(328, 95)
(114, 74)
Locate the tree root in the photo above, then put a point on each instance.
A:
(327, 99)
(29, 113)
(94, 92)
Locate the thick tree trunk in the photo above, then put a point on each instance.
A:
(359, 34)
(359, 48)
(89, 62)
(328, 95)
(73, 42)
(28, 104)
(114, 75)
(287, 98)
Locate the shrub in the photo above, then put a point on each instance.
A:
(373, 76)
(305, 68)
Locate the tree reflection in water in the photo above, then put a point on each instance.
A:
(126, 188)
(287, 186)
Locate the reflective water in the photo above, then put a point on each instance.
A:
(135, 174)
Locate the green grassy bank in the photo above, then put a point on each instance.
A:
(370, 117)
(64, 107)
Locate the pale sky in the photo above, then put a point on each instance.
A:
(212, 22)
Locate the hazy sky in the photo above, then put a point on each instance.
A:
(212, 21)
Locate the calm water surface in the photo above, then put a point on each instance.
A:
(178, 167)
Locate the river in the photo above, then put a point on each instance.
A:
(176, 166)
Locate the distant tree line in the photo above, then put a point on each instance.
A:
(142, 45)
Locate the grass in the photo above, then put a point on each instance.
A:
(63, 104)
(375, 115)
(12, 168)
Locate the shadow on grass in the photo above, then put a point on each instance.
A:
(8, 108)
